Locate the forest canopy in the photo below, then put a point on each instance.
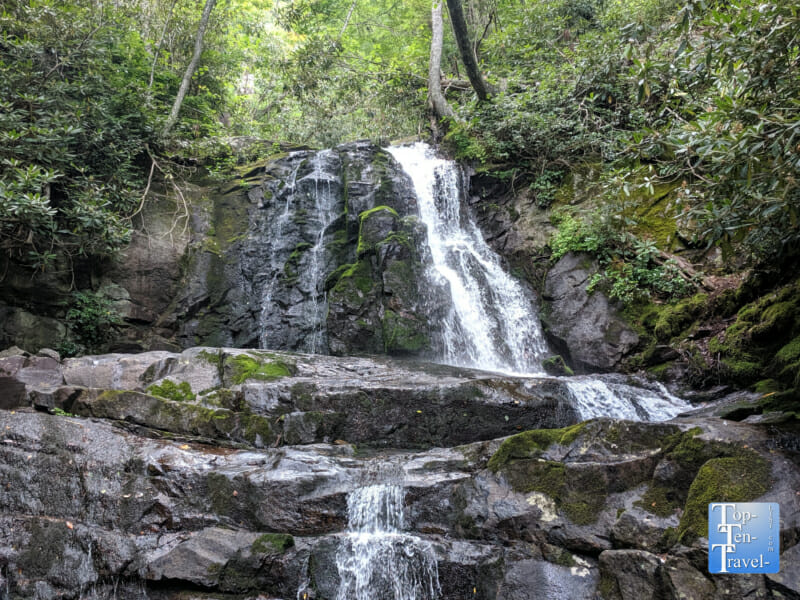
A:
(699, 95)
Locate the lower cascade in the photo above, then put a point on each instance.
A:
(375, 558)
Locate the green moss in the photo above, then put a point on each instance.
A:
(213, 358)
(272, 543)
(564, 558)
(247, 366)
(741, 478)
(674, 319)
(555, 365)
(291, 264)
(354, 283)
(256, 430)
(531, 444)
(403, 335)
(171, 391)
(659, 500)
(363, 245)
(764, 341)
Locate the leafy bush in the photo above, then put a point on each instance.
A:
(92, 321)
(632, 268)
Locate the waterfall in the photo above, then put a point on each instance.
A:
(606, 396)
(312, 276)
(492, 322)
(375, 558)
(311, 204)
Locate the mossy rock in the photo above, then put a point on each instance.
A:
(531, 444)
(243, 367)
(404, 335)
(764, 341)
(272, 543)
(740, 478)
(556, 365)
(672, 320)
(180, 392)
(354, 282)
(376, 224)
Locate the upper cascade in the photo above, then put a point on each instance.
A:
(491, 322)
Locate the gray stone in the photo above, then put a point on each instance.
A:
(28, 330)
(535, 579)
(13, 351)
(201, 559)
(586, 328)
(630, 575)
(50, 353)
(787, 580)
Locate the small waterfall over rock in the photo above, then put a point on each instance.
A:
(375, 558)
(492, 323)
(609, 396)
(310, 202)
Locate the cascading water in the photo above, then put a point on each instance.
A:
(312, 276)
(375, 558)
(492, 323)
(311, 204)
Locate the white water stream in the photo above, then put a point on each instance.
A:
(376, 560)
(492, 323)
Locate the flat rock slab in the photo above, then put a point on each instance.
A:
(264, 399)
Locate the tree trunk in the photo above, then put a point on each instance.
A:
(187, 76)
(436, 100)
(466, 50)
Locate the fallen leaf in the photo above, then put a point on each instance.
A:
(185, 447)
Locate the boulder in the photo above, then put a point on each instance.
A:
(585, 327)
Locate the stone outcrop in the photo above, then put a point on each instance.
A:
(584, 327)
(301, 243)
(219, 473)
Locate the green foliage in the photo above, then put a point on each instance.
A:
(170, 390)
(72, 131)
(60, 412)
(722, 92)
(92, 320)
(631, 268)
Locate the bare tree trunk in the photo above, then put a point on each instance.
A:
(187, 76)
(436, 100)
(466, 50)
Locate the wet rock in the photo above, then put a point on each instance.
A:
(630, 575)
(584, 327)
(787, 580)
(533, 579)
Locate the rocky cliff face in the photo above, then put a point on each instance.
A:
(220, 473)
(309, 251)
(315, 251)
